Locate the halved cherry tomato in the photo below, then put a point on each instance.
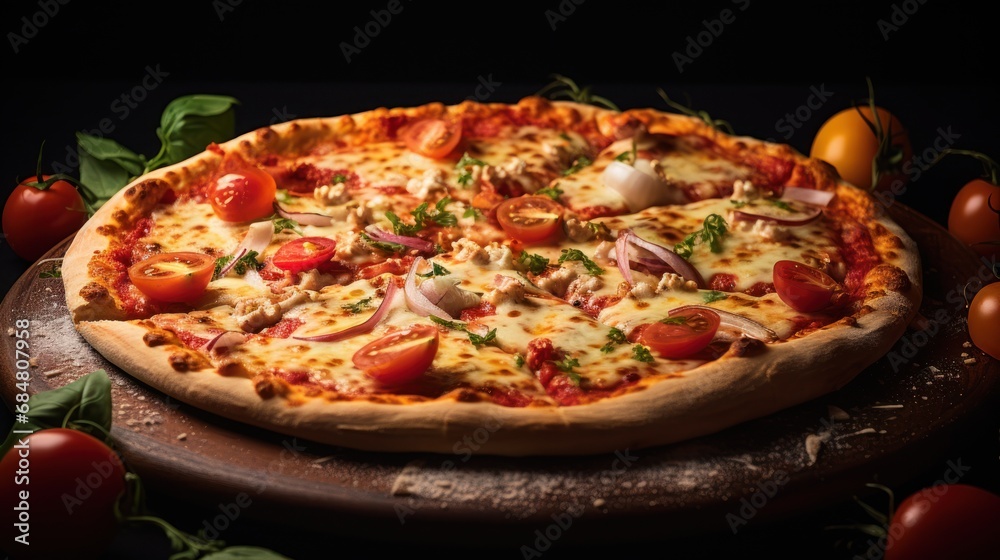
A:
(400, 357)
(684, 333)
(802, 287)
(530, 218)
(304, 253)
(244, 196)
(173, 277)
(434, 138)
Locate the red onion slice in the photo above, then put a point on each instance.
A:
(418, 302)
(421, 245)
(361, 328)
(303, 218)
(804, 217)
(749, 327)
(621, 255)
(226, 340)
(670, 258)
(808, 196)
(232, 262)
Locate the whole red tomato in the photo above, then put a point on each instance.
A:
(59, 488)
(36, 220)
(974, 217)
(945, 521)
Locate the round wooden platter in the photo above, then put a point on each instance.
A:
(887, 424)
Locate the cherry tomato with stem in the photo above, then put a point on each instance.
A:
(39, 214)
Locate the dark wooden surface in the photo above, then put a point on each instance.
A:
(902, 415)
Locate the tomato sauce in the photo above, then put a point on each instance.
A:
(283, 329)
(858, 251)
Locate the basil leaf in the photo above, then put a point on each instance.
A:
(108, 150)
(190, 123)
(244, 553)
(84, 405)
(105, 167)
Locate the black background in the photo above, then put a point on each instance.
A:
(285, 60)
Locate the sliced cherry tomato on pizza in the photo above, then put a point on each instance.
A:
(683, 333)
(400, 357)
(802, 287)
(243, 196)
(530, 219)
(304, 253)
(173, 277)
(434, 138)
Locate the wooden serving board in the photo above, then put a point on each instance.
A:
(899, 413)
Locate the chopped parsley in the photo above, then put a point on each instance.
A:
(566, 366)
(642, 354)
(422, 218)
(615, 337)
(518, 360)
(629, 156)
(475, 339)
(535, 264)
(473, 213)
(281, 195)
(577, 255)
(464, 175)
(713, 295)
(580, 163)
(281, 224)
(674, 321)
(553, 192)
(601, 231)
(436, 270)
(339, 178)
(713, 228)
(780, 204)
(54, 272)
(359, 306)
(738, 203)
(246, 262)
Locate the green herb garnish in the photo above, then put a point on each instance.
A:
(577, 255)
(535, 264)
(436, 270)
(358, 307)
(641, 353)
(464, 175)
(713, 228)
(615, 337)
(566, 366)
(475, 339)
(713, 295)
(580, 163)
(281, 224)
(553, 192)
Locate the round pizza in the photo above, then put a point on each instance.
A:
(571, 278)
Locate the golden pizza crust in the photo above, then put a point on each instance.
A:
(712, 397)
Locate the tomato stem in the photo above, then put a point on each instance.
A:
(700, 114)
(991, 169)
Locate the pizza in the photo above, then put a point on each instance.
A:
(564, 278)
